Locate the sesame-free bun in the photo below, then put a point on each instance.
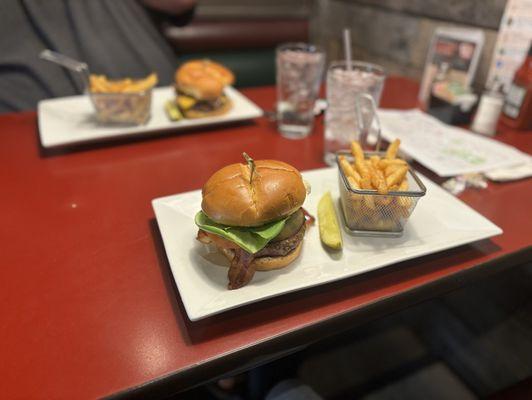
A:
(268, 263)
(276, 191)
(203, 79)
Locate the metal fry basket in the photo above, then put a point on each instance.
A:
(369, 213)
(128, 108)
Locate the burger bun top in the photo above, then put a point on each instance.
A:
(275, 191)
(203, 79)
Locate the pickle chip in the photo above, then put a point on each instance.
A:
(330, 234)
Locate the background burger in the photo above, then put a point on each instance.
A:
(252, 213)
(200, 88)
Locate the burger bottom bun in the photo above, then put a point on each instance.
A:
(224, 108)
(268, 263)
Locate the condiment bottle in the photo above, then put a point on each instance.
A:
(517, 109)
(488, 112)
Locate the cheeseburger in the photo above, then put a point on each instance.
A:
(200, 88)
(252, 213)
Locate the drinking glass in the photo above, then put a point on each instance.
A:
(344, 122)
(299, 72)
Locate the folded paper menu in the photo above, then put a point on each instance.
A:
(444, 149)
(520, 171)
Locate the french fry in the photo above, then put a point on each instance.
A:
(404, 201)
(403, 186)
(384, 163)
(96, 83)
(375, 161)
(365, 183)
(390, 169)
(357, 151)
(367, 200)
(397, 176)
(355, 186)
(100, 84)
(362, 168)
(355, 198)
(141, 85)
(353, 183)
(391, 153)
(348, 169)
(377, 180)
(356, 175)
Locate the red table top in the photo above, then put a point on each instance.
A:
(87, 302)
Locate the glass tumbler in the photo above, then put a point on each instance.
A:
(299, 73)
(343, 122)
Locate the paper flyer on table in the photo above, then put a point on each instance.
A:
(444, 149)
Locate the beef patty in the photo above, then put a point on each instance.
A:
(283, 247)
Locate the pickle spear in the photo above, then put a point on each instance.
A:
(172, 111)
(330, 234)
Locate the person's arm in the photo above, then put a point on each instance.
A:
(172, 7)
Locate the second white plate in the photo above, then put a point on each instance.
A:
(439, 222)
(71, 120)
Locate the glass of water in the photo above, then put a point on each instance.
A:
(348, 113)
(299, 73)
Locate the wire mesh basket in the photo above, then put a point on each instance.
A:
(123, 108)
(369, 213)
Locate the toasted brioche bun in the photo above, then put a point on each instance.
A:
(268, 263)
(225, 107)
(203, 79)
(276, 191)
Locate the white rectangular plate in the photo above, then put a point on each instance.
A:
(439, 222)
(71, 120)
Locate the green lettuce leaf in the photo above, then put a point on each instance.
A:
(251, 239)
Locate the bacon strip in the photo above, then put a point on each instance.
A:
(203, 237)
(206, 238)
(241, 271)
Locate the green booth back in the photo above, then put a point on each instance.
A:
(253, 67)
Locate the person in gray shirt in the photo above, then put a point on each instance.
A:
(117, 38)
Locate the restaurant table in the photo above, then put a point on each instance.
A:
(88, 305)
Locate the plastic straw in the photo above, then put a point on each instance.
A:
(347, 48)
